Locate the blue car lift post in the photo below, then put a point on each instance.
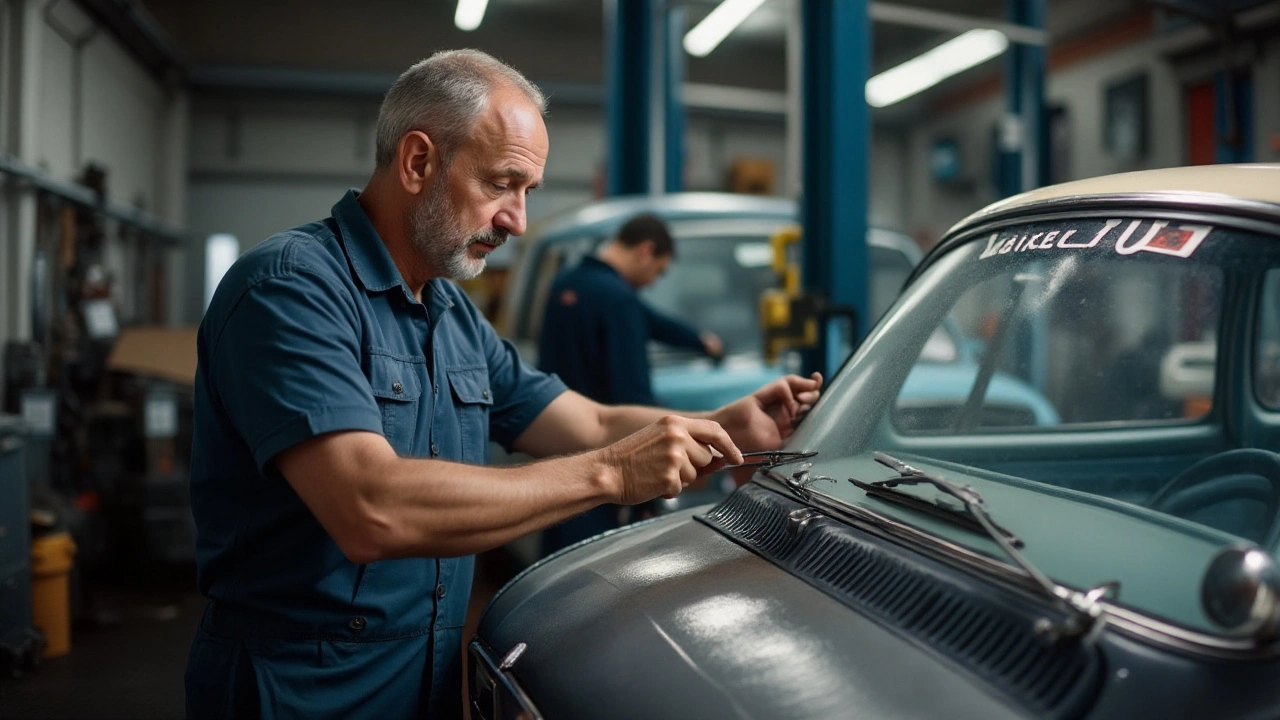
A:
(835, 64)
(629, 26)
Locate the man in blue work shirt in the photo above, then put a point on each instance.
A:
(595, 333)
(344, 398)
(595, 328)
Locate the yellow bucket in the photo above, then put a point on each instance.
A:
(52, 557)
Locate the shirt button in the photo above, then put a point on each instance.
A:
(435, 389)
(440, 591)
(435, 449)
(397, 388)
(357, 623)
(485, 394)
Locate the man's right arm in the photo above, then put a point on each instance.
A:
(377, 505)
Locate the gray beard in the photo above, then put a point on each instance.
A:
(434, 231)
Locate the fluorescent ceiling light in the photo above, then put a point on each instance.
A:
(951, 57)
(469, 14)
(706, 35)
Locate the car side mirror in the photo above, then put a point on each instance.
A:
(1240, 591)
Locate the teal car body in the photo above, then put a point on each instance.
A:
(898, 560)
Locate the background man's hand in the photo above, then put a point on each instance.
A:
(663, 458)
(712, 344)
(767, 417)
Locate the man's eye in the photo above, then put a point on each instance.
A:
(498, 186)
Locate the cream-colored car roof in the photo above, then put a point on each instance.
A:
(1257, 182)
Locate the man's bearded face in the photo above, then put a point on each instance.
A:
(437, 232)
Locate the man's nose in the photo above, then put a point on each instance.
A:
(512, 216)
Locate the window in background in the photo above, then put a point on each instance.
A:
(220, 251)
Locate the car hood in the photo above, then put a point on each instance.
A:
(747, 639)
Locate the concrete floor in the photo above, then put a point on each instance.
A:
(135, 669)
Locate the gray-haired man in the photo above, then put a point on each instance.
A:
(345, 396)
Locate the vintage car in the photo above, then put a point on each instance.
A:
(1117, 563)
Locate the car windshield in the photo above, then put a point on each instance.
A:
(1114, 372)
(716, 281)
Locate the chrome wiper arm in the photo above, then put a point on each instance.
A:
(799, 481)
(1084, 611)
(772, 458)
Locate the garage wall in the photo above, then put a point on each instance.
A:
(71, 94)
(260, 164)
(1080, 87)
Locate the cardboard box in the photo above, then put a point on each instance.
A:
(166, 353)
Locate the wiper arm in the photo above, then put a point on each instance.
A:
(799, 481)
(1084, 610)
(772, 458)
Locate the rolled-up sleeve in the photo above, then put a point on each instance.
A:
(286, 365)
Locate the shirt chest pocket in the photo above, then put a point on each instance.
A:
(472, 399)
(397, 386)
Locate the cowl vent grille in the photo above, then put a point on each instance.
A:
(984, 629)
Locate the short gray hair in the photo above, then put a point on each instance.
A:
(442, 96)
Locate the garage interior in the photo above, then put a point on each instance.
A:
(145, 144)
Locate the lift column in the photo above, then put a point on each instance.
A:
(835, 62)
(629, 26)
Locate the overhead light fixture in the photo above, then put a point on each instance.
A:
(469, 14)
(950, 58)
(706, 35)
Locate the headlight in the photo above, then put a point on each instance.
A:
(494, 692)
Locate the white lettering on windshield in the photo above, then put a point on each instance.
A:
(1160, 237)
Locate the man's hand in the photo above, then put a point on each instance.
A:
(663, 458)
(712, 344)
(767, 417)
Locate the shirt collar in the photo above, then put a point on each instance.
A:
(370, 260)
(596, 263)
(372, 263)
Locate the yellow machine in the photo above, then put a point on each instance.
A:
(789, 319)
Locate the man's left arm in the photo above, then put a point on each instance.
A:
(759, 421)
(669, 330)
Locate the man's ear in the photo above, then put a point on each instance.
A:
(417, 161)
(647, 249)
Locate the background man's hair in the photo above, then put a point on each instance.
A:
(647, 226)
(442, 96)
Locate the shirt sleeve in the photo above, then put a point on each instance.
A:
(520, 392)
(666, 329)
(285, 365)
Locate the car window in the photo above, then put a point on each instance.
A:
(715, 284)
(1141, 359)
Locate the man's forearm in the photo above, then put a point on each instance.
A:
(435, 508)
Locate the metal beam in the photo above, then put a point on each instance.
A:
(84, 197)
(836, 63)
(951, 22)
(629, 36)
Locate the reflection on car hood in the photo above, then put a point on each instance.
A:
(673, 619)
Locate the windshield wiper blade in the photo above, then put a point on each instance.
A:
(1084, 609)
(938, 507)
